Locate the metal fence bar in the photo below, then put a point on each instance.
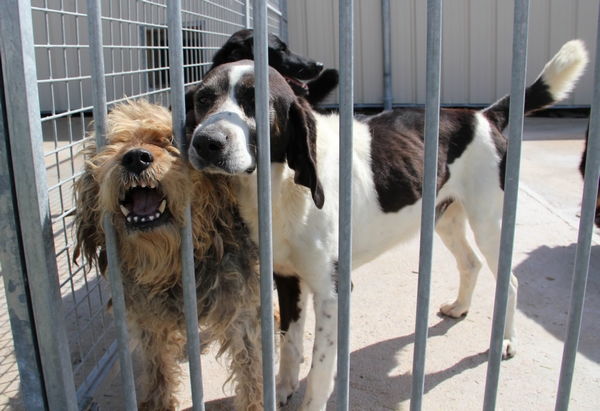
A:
(26, 144)
(345, 210)
(432, 116)
(582, 256)
(261, 72)
(511, 190)
(388, 97)
(18, 298)
(187, 251)
(114, 266)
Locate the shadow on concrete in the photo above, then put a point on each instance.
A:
(545, 279)
(371, 385)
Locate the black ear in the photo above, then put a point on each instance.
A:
(302, 149)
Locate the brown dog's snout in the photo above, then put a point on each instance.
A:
(137, 160)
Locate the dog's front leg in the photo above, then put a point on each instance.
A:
(293, 295)
(244, 341)
(160, 348)
(324, 361)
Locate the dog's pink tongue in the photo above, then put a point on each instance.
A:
(145, 202)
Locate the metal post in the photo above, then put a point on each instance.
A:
(582, 256)
(247, 14)
(432, 116)
(114, 266)
(511, 190)
(18, 298)
(187, 250)
(388, 97)
(345, 217)
(31, 187)
(261, 72)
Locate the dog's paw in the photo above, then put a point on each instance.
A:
(509, 348)
(454, 309)
(286, 387)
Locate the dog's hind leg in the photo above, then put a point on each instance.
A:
(486, 223)
(293, 295)
(452, 228)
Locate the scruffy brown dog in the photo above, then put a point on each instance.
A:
(142, 183)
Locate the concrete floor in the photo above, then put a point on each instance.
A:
(384, 301)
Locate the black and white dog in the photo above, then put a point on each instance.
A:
(387, 180)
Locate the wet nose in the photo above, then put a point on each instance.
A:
(137, 160)
(209, 143)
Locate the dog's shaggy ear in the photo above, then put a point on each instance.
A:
(302, 149)
(88, 225)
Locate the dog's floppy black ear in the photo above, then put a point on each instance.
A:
(88, 229)
(302, 149)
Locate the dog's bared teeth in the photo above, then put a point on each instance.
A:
(129, 219)
(143, 185)
(134, 185)
(135, 219)
(151, 218)
(162, 206)
(124, 210)
(152, 185)
(157, 215)
(143, 219)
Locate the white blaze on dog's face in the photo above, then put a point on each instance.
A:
(225, 139)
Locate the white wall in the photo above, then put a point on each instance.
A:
(476, 45)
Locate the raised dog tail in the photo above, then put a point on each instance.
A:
(554, 83)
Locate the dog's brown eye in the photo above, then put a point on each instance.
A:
(204, 100)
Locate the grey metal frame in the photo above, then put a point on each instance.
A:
(32, 267)
(25, 136)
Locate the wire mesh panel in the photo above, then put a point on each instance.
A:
(136, 58)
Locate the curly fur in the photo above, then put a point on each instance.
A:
(225, 259)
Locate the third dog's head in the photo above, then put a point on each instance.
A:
(293, 66)
(225, 139)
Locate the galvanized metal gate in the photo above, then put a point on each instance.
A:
(60, 60)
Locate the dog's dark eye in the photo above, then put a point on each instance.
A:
(203, 100)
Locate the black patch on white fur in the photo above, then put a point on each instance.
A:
(288, 293)
(397, 149)
(537, 97)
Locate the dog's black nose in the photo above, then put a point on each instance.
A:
(208, 144)
(137, 160)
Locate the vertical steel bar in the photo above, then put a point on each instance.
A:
(345, 184)
(261, 70)
(18, 298)
(247, 14)
(511, 190)
(388, 97)
(114, 266)
(31, 187)
(432, 115)
(582, 256)
(187, 252)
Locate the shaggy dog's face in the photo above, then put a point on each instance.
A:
(139, 181)
(142, 180)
